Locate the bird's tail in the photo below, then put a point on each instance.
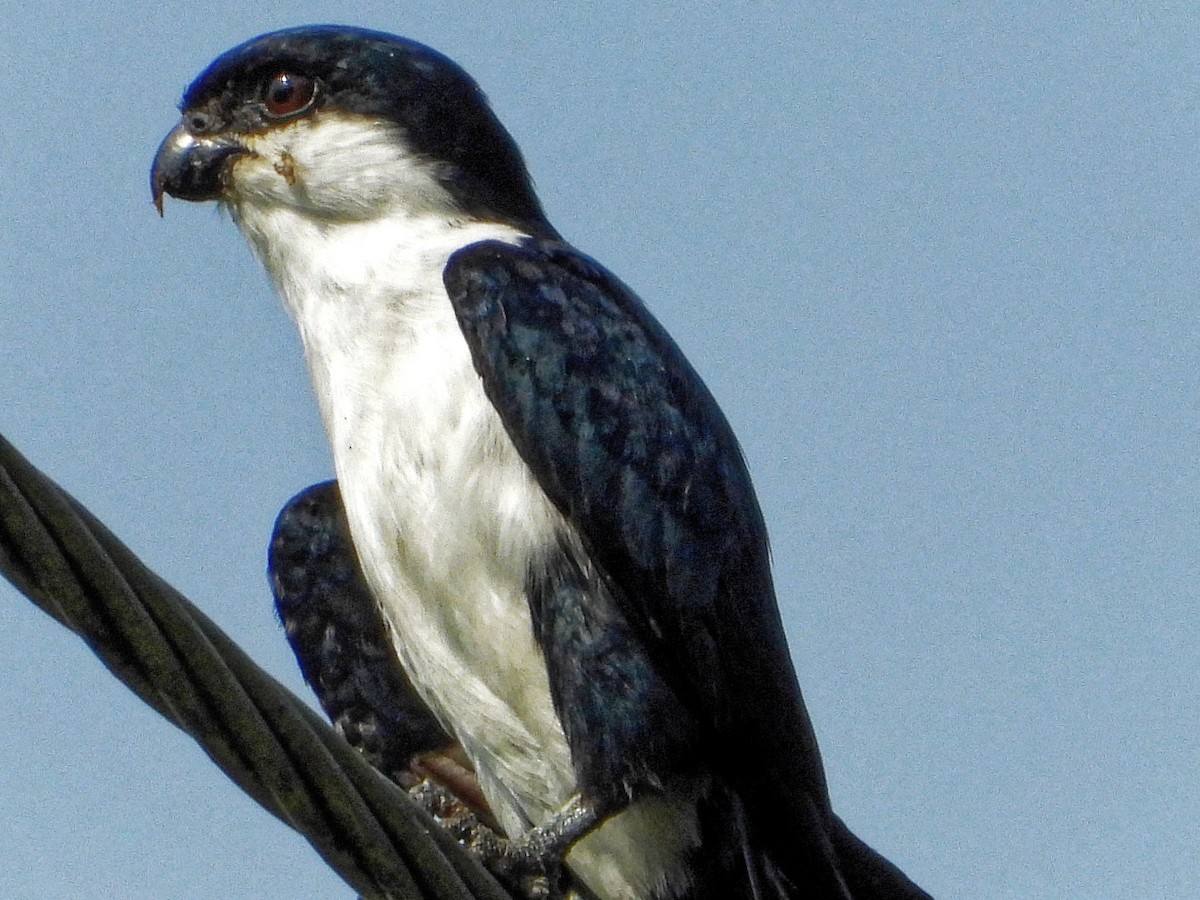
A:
(735, 863)
(867, 873)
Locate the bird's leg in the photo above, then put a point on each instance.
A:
(546, 844)
(531, 863)
(534, 861)
(450, 768)
(556, 837)
(527, 880)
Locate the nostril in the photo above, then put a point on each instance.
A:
(199, 122)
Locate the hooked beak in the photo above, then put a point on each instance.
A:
(191, 168)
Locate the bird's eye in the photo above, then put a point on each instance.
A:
(288, 94)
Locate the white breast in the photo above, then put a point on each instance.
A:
(445, 515)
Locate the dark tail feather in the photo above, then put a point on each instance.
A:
(867, 873)
(733, 863)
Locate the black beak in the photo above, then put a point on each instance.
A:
(191, 168)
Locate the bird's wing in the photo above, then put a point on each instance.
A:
(630, 446)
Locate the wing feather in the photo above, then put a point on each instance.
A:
(630, 445)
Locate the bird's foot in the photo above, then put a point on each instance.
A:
(531, 864)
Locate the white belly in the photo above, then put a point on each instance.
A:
(445, 516)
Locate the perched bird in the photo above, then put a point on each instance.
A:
(549, 507)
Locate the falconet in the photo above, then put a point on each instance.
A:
(551, 511)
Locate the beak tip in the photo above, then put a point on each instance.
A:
(191, 168)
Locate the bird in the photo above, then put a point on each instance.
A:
(551, 511)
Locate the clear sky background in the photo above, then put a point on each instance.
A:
(938, 262)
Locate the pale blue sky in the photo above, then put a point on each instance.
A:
(938, 264)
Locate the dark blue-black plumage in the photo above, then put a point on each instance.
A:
(629, 444)
(660, 630)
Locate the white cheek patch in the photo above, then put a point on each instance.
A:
(338, 166)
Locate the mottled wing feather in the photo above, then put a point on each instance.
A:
(631, 447)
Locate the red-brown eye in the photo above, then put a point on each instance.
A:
(288, 94)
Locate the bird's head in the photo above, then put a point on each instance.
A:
(344, 124)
